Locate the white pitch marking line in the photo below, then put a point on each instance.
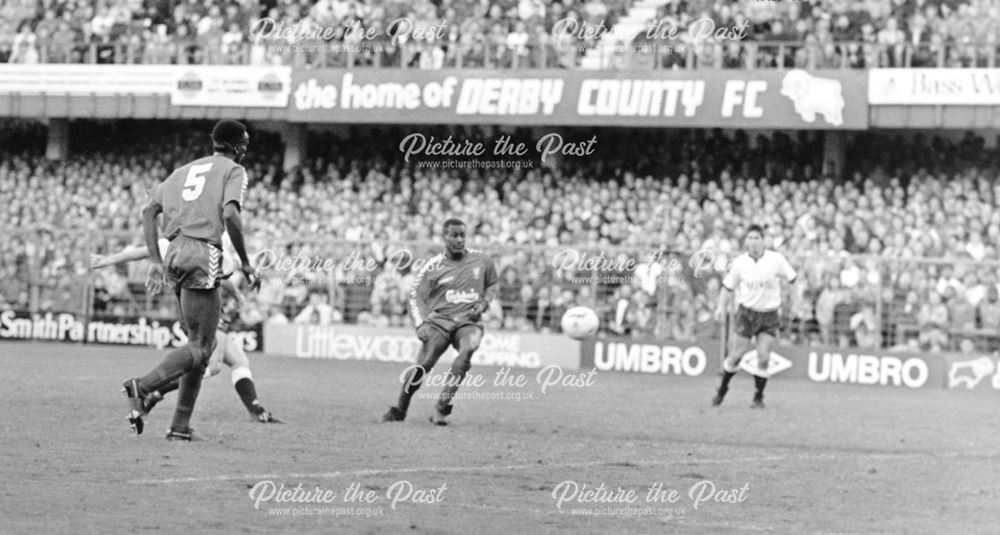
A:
(680, 521)
(495, 468)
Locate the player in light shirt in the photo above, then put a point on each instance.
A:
(755, 277)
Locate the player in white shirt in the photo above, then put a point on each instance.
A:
(226, 351)
(755, 277)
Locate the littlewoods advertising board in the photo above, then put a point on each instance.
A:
(355, 342)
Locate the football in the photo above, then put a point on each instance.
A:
(580, 322)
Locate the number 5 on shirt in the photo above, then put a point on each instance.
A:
(194, 184)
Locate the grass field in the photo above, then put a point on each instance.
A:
(819, 459)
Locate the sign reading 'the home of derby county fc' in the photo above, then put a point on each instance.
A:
(794, 99)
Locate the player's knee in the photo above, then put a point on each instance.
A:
(469, 343)
(466, 350)
(200, 364)
(236, 357)
(240, 373)
(199, 354)
(204, 351)
(462, 364)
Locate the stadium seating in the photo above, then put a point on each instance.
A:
(508, 33)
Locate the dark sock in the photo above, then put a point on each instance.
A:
(190, 385)
(411, 384)
(177, 363)
(726, 377)
(248, 395)
(169, 387)
(455, 377)
(759, 382)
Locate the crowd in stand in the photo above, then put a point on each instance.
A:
(901, 252)
(526, 33)
(213, 31)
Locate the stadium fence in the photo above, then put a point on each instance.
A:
(845, 300)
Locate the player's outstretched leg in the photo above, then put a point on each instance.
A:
(430, 351)
(133, 393)
(156, 396)
(469, 338)
(200, 309)
(138, 390)
(234, 356)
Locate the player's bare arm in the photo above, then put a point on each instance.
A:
(489, 294)
(229, 288)
(724, 296)
(418, 301)
(126, 255)
(154, 277)
(234, 226)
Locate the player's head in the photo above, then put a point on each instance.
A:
(754, 240)
(454, 235)
(231, 137)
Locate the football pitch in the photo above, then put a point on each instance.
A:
(819, 459)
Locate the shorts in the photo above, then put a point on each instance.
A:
(448, 328)
(750, 323)
(192, 264)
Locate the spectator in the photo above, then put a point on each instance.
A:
(622, 321)
(318, 311)
(933, 322)
(276, 316)
(865, 328)
(540, 312)
(826, 304)
(25, 46)
(159, 48)
(892, 39)
(989, 311)
(232, 45)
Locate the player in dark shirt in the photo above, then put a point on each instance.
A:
(227, 351)
(230, 353)
(198, 201)
(447, 301)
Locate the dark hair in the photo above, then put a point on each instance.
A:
(755, 228)
(227, 134)
(452, 223)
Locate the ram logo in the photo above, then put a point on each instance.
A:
(811, 96)
(971, 372)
